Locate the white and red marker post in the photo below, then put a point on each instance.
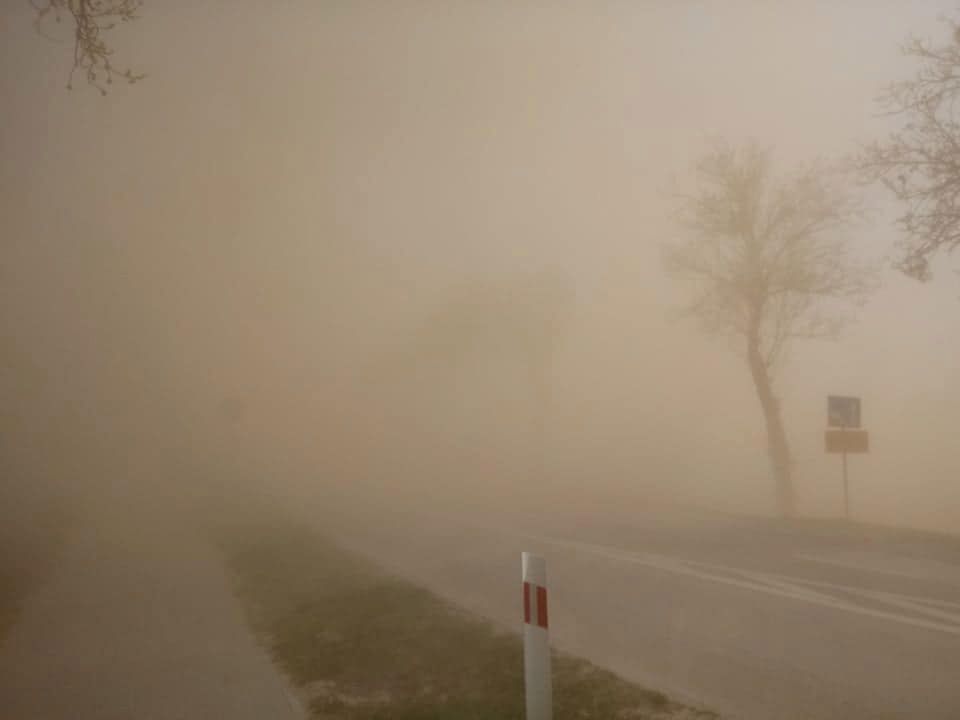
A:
(536, 642)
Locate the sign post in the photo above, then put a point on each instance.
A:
(844, 412)
(846, 487)
(536, 643)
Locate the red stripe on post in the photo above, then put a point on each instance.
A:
(526, 602)
(541, 606)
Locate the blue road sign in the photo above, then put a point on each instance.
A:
(843, 411)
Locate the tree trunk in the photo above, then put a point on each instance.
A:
(777, 446)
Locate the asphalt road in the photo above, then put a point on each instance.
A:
(137, 621)
(745, 616)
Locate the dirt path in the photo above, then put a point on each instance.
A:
(137, 622)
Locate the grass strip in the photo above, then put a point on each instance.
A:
(364, 645)
(31, 541)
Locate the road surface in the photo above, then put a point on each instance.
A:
(744, 616)
(137, 621)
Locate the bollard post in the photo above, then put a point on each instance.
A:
(536, 643)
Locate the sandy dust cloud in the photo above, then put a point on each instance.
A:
(412, 250)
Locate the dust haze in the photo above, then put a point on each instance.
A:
(410, 253)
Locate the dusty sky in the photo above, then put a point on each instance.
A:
(274, 214)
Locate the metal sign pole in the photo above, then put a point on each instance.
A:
(846, 488)
(843, 412)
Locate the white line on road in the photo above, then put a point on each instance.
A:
(785, 586)
(909, 567)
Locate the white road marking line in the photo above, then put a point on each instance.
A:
(935, 602)
(853, 564)
(854, 589)
(920, 607)
(771, 584)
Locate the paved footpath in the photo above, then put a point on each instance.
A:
(137, 623)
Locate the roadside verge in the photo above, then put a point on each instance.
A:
(361, 644)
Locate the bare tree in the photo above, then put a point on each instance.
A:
(920, 164)
(92, 19)
(767, 258)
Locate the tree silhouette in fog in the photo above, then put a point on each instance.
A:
(920, 164)
(513, 322)
(768, 259)
(521, 315)
(91, 19)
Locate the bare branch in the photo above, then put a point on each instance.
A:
(763, 253)
(92, 18)
(920, 164)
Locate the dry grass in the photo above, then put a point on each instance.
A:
(31, 538)
(363, 645)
